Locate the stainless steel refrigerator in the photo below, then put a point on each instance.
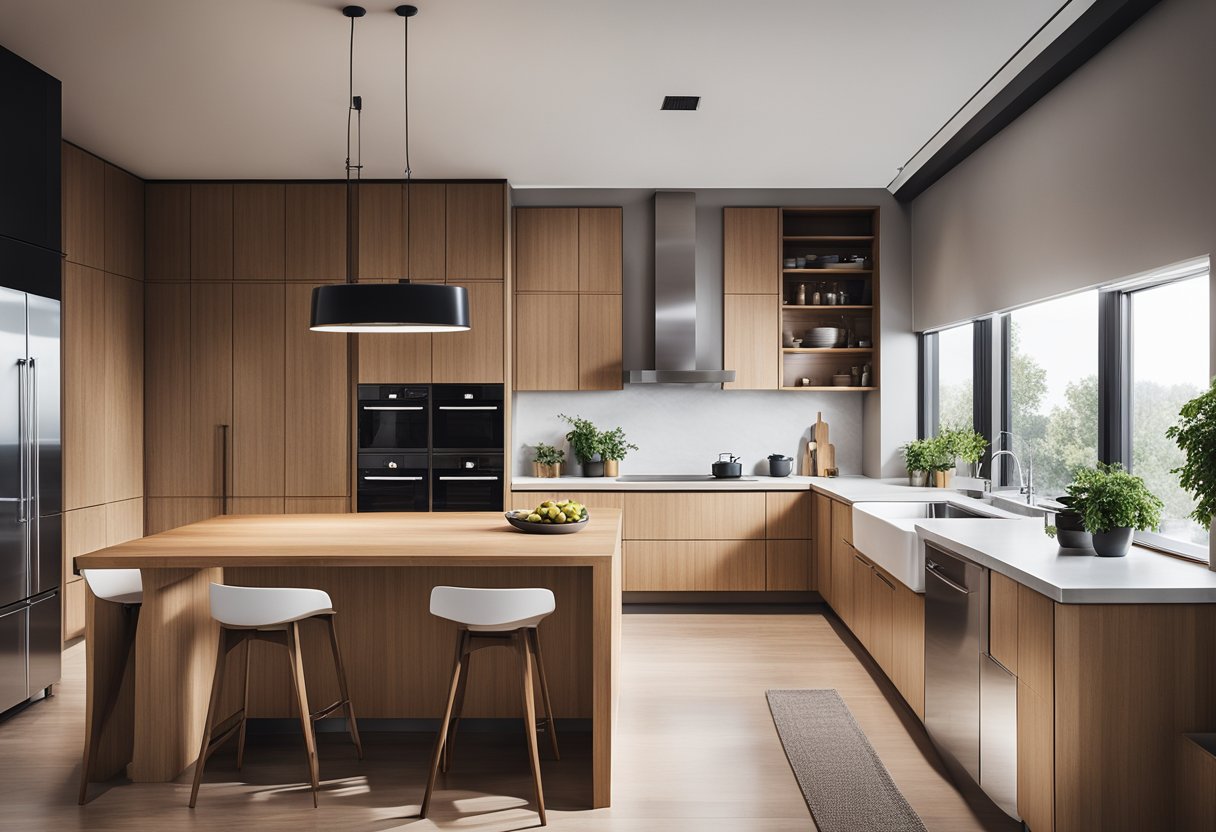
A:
(31, 551)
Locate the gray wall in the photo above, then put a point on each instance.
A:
(1109, 175)
(885, 419)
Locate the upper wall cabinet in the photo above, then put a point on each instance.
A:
(426, 207)
(167, 232)
(383, 241)
(211, 231)
(568, 298)
(751, 250)
(259, 231)
(316, 232)
(124, 224)
(475, 231)
(83, 208)
(30, 200)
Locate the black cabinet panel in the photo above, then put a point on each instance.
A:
(29, 153)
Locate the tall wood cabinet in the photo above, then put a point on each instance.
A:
(751, 259)
(568, 299)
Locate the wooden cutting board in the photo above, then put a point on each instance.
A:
(827, 458)
(819, 434)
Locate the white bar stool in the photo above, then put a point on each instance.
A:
(494, 618)
(272, 614)
(115, 586)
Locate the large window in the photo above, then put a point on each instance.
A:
(955, 377)
(1053, 388)
(1169, 366)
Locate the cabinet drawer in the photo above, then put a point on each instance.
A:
(591, 499)
(788, 565)
(842, 521)
(788, 515)
(1003, 621)
(695, 516)
(685, 565)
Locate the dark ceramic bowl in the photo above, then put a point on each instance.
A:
(547, 528)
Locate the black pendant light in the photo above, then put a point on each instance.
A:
(382, 307)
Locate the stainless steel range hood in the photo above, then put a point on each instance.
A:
(675, 296)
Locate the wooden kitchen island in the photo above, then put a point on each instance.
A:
(379, 570)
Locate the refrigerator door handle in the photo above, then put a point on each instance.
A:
(34, 547)
(22, 444)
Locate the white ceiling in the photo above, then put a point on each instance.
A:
(796, 93)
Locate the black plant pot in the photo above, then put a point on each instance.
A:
(1115, 543)
(593, 469)
(1070, 530)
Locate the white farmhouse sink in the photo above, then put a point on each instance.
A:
(886, 533)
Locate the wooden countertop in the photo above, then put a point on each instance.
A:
(372, 539)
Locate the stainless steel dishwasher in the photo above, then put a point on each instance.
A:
(970, 699)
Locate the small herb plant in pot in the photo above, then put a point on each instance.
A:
(613, 448)
(1113, 504)
(966, 444)
(917, 457)
(584, 439)
(941, 460)
(547, 461)
(1195, 434)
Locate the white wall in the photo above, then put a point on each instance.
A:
(1111, 174)
(682, 428)
(885, 419)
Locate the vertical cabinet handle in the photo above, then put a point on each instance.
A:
(224, 469)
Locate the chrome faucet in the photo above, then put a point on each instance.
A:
(1026, 483)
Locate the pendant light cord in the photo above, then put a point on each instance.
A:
(406, 102)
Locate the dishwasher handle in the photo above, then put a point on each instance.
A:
(933, 569)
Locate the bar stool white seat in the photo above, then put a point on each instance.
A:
(270, 614)
(115, 586)
(489, 618)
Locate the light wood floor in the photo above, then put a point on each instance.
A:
(696, 750)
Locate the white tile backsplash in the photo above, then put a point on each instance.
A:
(682, 428)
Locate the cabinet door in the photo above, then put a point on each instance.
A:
(316, 404)
(688, 565)
(164, 513)
(709, 515)
(166, 232)
(842, 578)
(475, 232)
(84, 362)
(124, 224)
(751, 250)
(788, 565)
(823, 546)
(908, 647)
(211, 232)
(315, 229)
(426, 214)
(83, 208)
(475, 356)
(1003, 621)
(124, 389)
(788, 515)
(859, 609)
(599, 250)
(599, 342)
(258, 405)
(259, 242)
(167, 389)
(395, 358)
(547, 249)
(842, 521)
(1036, 759)
(546, 342)
(382, 241)
(751, 340)
(882, 615)
(210, 388)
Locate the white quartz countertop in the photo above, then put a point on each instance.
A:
(847, 489)
(1020, 550)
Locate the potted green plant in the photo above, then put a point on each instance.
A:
(1113, 504)
(917, 457)
(941, 460)
(584, 439)
(547, 461)
(613, 448)
(966, 444)
(1195, 434)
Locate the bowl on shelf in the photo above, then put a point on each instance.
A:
(823, 336)
(842, 380)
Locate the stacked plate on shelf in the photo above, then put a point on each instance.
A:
(819, 337)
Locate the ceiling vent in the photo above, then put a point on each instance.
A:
(681, 102)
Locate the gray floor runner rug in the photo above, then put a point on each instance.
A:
(846, 786)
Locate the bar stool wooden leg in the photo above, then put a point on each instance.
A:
(297, 678)
(351, 725)
(550, 724)
(441, 738)
(217, 687)
(462, 649)
(524, 652)
(240, 740)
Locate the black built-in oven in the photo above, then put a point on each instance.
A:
(467, 417)
(466, 482)
(394, 417)
(394, 482)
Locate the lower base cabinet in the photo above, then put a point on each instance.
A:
(694, 565)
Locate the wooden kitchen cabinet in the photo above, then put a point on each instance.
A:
(84, 379)
(1003, 621)
(168, 385)
(546, 342)
(751, 251)
(426, 215)
(475, 356)
(788, 515)
(210, 390)
(383, 245)
(547, 249)
(474, 233)
(124, 224)
(394, 358)
(908, 646)
(259, 241)
(316, 404)
(882, 620)
(599, 342)
(707, 515)
(591, 499)
(789, 565)
(211, 231)
(315, 230)
(750, 334)
(166, 232)
(861, 586)
(696, 565)
(823, 544)
(83, 207)
(258, 394)
(123, 402)
(599, 250)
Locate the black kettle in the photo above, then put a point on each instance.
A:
(727, 469)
